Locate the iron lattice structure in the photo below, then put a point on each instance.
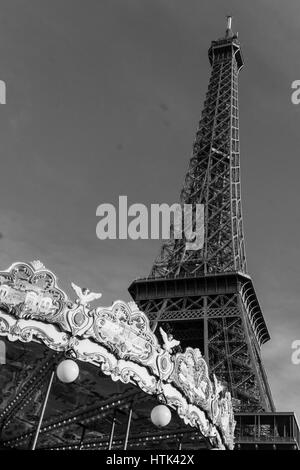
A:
(213, 177)
(205, 297)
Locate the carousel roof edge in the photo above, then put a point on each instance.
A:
(117, 339)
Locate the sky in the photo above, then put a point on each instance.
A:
(103, 99)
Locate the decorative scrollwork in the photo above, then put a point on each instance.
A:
(30, 293)
(191, 376)
(117, 339)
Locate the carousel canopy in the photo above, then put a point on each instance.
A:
(124, 372)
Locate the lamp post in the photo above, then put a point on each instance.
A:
(67, 371)
(112, 431)
(128, 427)
(37, 432)
(82, 438)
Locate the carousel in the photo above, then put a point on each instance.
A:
(75, 376)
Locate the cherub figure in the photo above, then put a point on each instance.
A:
(84, 295)
(169, 341)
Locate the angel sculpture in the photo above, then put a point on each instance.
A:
(218, 387)
(84, 295)
(169, 341)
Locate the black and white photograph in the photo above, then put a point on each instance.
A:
(149, 228)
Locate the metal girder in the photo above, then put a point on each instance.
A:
(28, 389)
(136, 440)
(80, 416)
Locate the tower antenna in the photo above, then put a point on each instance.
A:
(229, 23)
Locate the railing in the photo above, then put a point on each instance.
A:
(274, 428)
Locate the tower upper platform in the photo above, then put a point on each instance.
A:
(226, 46)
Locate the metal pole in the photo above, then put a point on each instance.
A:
(128, 428)
(43, 411)
(229, 22)
(112, 431)
(2, 431)
(82, 438)
(205, 331)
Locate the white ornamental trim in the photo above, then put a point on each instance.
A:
(119, 340)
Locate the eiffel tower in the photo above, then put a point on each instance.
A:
(205, 297)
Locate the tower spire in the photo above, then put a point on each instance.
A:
(229, 33)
